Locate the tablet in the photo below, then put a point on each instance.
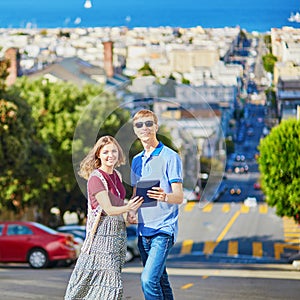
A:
(141, 190)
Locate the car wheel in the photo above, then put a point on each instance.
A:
(129, 255)
(38, 259)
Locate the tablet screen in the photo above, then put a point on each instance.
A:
(141, 190)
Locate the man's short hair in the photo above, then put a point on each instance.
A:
(145, 113)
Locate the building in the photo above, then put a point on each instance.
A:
(288, 96)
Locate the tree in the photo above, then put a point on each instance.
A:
(18, 149)
(269, 61)
(279, 164)
(268, 41)
(4, 65)
(56, 110)
(46, 130)
(146, 70)
(23, 158)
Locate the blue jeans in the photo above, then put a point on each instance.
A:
(154, 279)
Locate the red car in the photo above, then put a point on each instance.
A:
(34, 243)
(257, 186)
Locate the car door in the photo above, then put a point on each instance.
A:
(2, 246)
(16, 243)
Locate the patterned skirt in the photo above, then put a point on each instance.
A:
(97, 273)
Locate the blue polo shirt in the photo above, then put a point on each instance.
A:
(163, 164)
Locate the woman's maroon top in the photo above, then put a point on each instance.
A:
(116, 190)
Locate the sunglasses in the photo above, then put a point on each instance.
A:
(147, 123)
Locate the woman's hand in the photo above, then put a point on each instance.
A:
(134, 203)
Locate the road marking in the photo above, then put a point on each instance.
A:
(226, 208)
(233, 248)
(189, 206)
(294, 229)
(187, 286)
(207, 208)
(227, 227)
(292, 241)
(257, 249)
(263, 209)
(209, 247)
(294, 234)
(279, 248)
(186, 247)
(285, 272)
(244, 209)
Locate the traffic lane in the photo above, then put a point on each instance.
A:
(203, 222)
(245, 182)
(230, 232)
(256, 224)
(19, 282)
(190, 280)
(208, 281)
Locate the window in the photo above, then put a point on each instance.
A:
(18, 230)
(1, 229)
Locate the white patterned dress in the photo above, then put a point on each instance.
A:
(97, 273)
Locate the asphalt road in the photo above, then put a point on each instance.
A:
(190, 279)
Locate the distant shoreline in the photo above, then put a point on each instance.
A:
(130, 28)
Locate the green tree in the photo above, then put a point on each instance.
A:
(41, 148)
(279, 164)
(268, 41)
(269, 61)
(146, 70)
(58, 110)
(4, 65)
(22, 157)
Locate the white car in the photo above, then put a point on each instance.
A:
(250, 202)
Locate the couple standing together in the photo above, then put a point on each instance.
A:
(97, 273)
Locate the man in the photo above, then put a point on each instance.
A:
(158, 222)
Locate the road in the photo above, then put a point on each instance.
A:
(191, 280)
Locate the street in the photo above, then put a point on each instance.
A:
(191, 280)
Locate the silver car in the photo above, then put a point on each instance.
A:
(79, 234)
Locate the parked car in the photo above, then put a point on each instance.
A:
(79, 232)
(235, 190)
(34, 243)
(241, 169)
(250, 202)
(257, 186)
(240, 157)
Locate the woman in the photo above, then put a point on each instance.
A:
(97, 273)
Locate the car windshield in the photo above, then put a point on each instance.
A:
(45, 228)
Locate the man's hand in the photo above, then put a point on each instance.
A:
(131, 217)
